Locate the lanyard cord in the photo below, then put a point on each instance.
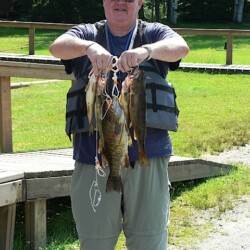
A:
(129, 44)
(113, 49)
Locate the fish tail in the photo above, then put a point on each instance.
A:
(126, 162)
(114, 183)
(91, 129)
(143, 159)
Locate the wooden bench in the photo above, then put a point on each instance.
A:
(34, 177)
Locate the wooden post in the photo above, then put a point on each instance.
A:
(229, 59)
(5, 116)
(35, 223)
(7, 226)
(31, 41)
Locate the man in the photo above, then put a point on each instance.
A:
(141, 209)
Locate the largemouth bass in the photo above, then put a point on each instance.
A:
(115, 142)
(137, 112)
(90, 100)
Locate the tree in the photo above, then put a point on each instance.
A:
(205, 10)
(172, 11)
(238, 11)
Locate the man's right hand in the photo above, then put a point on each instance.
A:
(100, 58)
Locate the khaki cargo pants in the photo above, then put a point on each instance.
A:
(145, 203)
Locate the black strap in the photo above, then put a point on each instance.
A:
(161, 87)
(75, 93)
(162, 108)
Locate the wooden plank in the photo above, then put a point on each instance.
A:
(7, 176)
(229, 57)
(185, 31)
(31, 41)
(5, 115)
(196, 169)
(12, 192)
(35, 224)
(242, 69)
(36, 164)
(37, 25)
(29, 70)
(30, 58)
(48, 187)
(7, 226)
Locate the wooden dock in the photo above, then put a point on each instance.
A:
(34, 177)
(216, 68)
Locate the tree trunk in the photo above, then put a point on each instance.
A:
(238, 11)
(157, 10)
(173, 8)
(175, 12)
(152, 10)
(170, 9)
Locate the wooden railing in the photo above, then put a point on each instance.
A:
(10, 69)
(228, 33)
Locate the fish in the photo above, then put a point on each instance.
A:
(115, 142)
(124, 101)
(99, 100)
(90, 100)
(137, 112)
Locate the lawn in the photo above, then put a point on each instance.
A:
(214, 113)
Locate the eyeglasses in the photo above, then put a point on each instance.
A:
(127, 1)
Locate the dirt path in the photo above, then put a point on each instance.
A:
(232, 228)
(231, 231)
(236, 155)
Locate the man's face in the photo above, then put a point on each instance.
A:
(121, 13)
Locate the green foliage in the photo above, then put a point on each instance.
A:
(58, 11)
(206, 10)
(77, 11)
(67, 11)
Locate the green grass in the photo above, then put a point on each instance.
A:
(16, 41)
(204, 49)
(38, 113)
(214, 114)
(210, 49)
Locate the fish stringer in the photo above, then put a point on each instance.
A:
(95, 194)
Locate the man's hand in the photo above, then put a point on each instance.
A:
(100, 58)
(131, 58)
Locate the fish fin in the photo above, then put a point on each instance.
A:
(100, 145)
(87, 87)
(130, 142)
(104, 160)
(114, 183)
(91, 129)
(143, 158)
(126, 162)
(134, 135)
(120, 99)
